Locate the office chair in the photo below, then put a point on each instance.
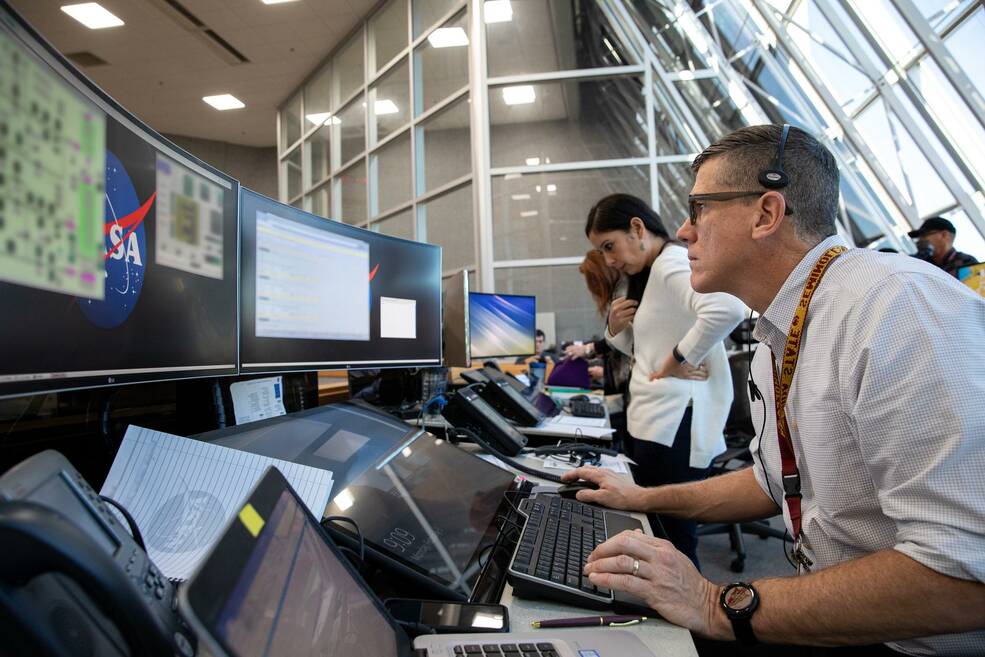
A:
(739, 432)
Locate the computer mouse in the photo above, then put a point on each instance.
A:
(569, 491)
(579, 398)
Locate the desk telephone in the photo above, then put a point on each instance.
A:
(72, 579)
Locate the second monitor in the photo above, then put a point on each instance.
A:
(502, 325)
(321, 294)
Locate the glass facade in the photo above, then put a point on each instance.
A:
(491, 127)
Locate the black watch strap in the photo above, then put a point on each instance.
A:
(678, 356)
(743, 631)
(739, 601)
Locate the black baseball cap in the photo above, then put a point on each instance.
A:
(933, 224)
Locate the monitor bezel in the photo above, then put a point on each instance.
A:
(29, 384)
(280, 368)
(468, 312)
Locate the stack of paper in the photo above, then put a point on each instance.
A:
(182, 492)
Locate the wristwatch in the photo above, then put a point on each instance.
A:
(678, 356)
(740, 600)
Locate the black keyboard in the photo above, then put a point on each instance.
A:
(506, 650)
(586, 408)
(557, 538)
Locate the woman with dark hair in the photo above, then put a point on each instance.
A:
(680, 387)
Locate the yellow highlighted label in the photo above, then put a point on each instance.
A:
(251, 520)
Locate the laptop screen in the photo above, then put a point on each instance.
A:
(430, 506)
(275, 586)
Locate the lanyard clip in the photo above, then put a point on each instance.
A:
(791, 485)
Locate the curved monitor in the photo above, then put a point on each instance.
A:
(319, 294)
(118, 250)
(502, 325)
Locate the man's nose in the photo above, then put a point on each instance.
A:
(686, 232)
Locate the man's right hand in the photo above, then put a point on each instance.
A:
(614, 491)
(621, 314)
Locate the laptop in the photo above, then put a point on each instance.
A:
(274, 585)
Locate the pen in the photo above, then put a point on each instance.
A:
(589, 621)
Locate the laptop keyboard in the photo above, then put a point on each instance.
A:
(557, 538)
(506, 650)
(586, 408)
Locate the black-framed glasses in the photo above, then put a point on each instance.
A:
(694, 199)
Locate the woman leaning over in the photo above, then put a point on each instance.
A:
(680, 386)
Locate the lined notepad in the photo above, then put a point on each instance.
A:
(182, 492)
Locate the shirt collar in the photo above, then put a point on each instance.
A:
(772, 326)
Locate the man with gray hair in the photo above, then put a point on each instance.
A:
(872, 443)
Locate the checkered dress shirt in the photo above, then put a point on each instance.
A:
(887, 416)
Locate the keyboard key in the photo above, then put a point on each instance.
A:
(509, 647)
(527, 647)
(491, 649)
(545, 646)
(459, 650)
(473, 649)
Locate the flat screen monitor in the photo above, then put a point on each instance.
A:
(321, 294)
(429, 506)
(118, 250)
(502, 325)
(455, 316)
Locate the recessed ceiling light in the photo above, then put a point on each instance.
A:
(275, 2)
(529, 213)
(385, 106)
(520, 197)
(93, 15)
(448, 37)
(224, 102)
(532, 162)
(498, 11)
(521, 95)
(551, 188)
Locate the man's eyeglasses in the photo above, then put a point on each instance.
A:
(694, 201)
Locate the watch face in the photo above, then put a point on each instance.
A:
(739, 598)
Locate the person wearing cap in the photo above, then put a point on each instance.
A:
(935, 243)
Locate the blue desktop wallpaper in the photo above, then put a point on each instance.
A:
(501, 325)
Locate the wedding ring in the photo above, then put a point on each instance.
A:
(636, 567)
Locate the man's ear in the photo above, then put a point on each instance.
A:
(771, 215)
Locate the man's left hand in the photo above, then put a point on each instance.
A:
(665, 579)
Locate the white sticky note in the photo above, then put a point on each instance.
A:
(398, 318)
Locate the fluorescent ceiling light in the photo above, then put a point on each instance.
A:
(275, 2)
(551, 188)
(532, 161)
(448, 37)
(92, 15)
(512, 176)
(520, 197)
(529, 213)
(385, 106)
(685, 75)
(323, 118)
(224, 102)
(498, 11)
(520, 95)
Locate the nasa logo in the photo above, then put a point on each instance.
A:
(126, 249)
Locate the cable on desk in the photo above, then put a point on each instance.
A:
(134, 530)
(533, 472)
(359, 535)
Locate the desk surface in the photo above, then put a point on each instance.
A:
(663, 638)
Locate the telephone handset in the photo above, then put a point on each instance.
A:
(72, 574)
(466, 409)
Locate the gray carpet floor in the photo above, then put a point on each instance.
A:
(764, 558)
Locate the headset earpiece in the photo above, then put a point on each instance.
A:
(775, 177)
